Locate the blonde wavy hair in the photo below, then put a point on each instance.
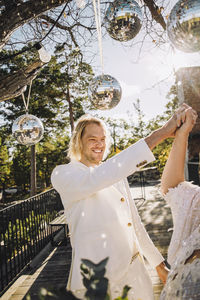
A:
(75, 145)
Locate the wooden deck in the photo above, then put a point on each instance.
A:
(47, 274)
(156, 217)
(49, 271)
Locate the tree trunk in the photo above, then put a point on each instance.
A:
(47, 183)
(3, 192)
(114, 138)
(71, 117)
(33, 171)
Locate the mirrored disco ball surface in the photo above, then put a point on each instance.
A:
(27, 130)
(183, 26)
(123, 20)
(104, 92)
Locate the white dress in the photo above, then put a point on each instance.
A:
(184, 278)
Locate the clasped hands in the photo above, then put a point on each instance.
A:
(184, 115)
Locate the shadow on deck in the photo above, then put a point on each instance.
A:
(47, 274)
(49, 271)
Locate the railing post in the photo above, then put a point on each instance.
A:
(33, 171)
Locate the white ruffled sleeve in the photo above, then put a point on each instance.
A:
(184, 201)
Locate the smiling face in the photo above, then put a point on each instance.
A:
(93, 145)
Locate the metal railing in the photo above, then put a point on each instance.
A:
(24, 231)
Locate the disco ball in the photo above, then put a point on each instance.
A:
(123, 20)
(104, 92)
(27, 130)
(183, 26)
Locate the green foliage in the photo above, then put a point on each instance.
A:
(140, 129)
(161, 153)
(94, 281)
(124, 293)
(120, 133)
(26, 230)
(58, 98)
(5, 164)
(21, 166)
(49, 154)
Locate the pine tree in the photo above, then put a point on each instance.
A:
(5, 169)
(58, 98)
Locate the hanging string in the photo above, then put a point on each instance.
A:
(26, 104)
(29, 93)
(100, 36)
(98, 25)
(173, 65)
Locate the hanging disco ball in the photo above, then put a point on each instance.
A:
(123, 20)
(183, 26)
(27, 130)
(104, 92)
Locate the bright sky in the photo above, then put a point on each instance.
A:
(148, 79)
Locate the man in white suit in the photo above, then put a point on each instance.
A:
(102, 218)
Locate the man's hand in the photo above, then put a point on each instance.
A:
(189, 117)
(162, 271)
(175, 121)
(170, 128)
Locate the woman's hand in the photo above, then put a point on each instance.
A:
(187, 120)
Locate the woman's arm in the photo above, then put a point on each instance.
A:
(173, 172)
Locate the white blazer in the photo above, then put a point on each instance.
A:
(101, 215)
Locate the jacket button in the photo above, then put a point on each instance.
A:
(129, 224)
(122, 199)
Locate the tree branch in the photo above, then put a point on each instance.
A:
(61, 26)
(13, 84)
(155, 12)
(24, 12)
